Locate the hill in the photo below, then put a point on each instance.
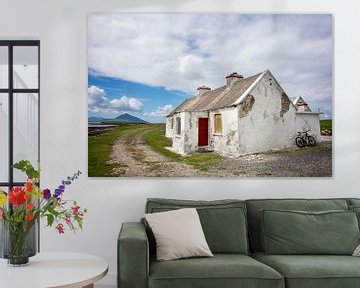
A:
(121, 118)
(129, 118)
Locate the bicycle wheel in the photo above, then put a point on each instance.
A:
(311, 141)
(299, 142)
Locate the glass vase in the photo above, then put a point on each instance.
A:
(18, 242)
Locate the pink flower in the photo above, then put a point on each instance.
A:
(1, 212)
(76, 210)
(60, 228)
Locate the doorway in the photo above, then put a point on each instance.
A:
(203, 132)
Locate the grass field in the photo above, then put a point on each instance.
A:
(325, 124)
(157, 141)
(99, 148)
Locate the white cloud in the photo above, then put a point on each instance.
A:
(99, 103)
(184, 51)
(161, 111)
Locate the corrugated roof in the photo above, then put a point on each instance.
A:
(218, 98)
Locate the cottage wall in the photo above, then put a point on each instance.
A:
(169, 132)
(192, 119)
(185, 142)
(272, 121)
(177, 139)
(227, 142)
(309, 121)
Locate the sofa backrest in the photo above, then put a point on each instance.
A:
(256, 205)
(223, 221)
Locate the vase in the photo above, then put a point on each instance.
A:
(18, 242)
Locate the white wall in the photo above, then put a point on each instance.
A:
(61, 26)
(264, 120)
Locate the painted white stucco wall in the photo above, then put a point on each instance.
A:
(61, 27)
(309, 121)
(271, 122)
(192, 129)
(227, 142)
(187, 141)
(170, 127)
(265, 127)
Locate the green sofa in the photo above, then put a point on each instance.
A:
(234, 230)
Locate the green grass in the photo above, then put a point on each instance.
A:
(203, 161)
(157, 141)
(99, 148)
(325, 124)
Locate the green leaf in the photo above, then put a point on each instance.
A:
(26, 167)
(50, 219)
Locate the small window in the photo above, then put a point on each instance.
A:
(217, 124)
(178, 126)
(172, 123)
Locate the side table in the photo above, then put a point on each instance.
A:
(50, 270)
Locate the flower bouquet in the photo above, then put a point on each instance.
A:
(21, 208)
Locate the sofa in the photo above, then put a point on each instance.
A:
(256, 243)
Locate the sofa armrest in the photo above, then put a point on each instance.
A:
(133, 256)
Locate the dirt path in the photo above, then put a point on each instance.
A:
(133, 157)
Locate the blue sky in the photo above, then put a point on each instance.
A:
(147, 64)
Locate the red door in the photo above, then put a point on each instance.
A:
(203, 134)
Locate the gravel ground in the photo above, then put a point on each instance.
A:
(132, 157)
(305, 162)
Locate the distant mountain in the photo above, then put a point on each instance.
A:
(95, 119)
(129, 118)
(121, 118)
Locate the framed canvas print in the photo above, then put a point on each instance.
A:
(219, 95)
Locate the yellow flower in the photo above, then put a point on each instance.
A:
(3, 198)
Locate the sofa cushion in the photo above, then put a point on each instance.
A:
(222, 270)
(356, 209)
(254, 217)
(313, 271)
(223, 221)
(178, 234)
(353, 201)
(297, 232)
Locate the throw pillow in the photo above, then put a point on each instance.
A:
(178, 234)
(299, 232)
(357, 251)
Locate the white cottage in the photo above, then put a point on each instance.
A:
(247, 115)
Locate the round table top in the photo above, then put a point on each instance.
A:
(60, 269)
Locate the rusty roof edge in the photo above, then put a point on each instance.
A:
(237, 102)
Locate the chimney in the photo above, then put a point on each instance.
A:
(202, 89)
(232, 78)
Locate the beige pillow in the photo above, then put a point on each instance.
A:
(178, 234)
(357, 251)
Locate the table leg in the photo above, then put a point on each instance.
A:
(89, 286)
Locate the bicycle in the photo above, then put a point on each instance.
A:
(303, 138)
